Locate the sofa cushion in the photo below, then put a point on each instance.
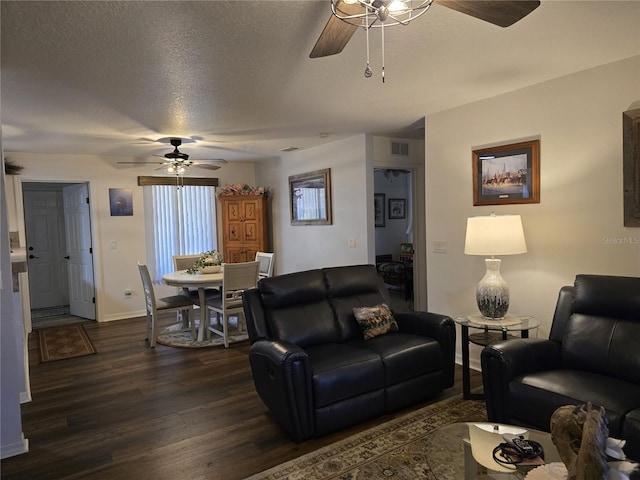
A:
(607, 296)
(404, 355)
(602, 345)
(297, 310)
(352, 286)
(535, 396)
(341, 371)
(376, 320)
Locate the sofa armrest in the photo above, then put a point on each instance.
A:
(439, 327)
(282, 378)
(503, 361)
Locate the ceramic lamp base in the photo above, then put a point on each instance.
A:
(492, 293)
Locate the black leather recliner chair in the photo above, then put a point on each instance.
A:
(311, 365)
(592, 355)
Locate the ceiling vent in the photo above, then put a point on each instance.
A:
(400, 148)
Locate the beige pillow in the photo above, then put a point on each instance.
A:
(374, 321)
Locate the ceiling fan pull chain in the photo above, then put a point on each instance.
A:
(382, 28)
(367, 71)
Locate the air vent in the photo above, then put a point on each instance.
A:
(400, 148)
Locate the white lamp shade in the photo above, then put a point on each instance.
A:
(495, 235)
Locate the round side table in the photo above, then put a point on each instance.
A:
(491, 331)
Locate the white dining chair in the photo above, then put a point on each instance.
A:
(185, 262)
(266, 261)
(236, 278)
(155, 306)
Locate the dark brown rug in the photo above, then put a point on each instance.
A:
(64, 341)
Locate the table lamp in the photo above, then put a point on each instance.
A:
(494, 235)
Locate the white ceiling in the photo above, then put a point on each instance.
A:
(112, 77)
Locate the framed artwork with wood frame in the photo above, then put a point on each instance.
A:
(507, 174)
(378, 209)
(310, 198)
(631, 167)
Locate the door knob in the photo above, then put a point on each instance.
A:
(67, 257)
(33, 256)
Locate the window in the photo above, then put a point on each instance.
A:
(183, 221)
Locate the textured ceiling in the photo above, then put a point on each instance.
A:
(112, 77)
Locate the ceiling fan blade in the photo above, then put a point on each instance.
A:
(140, 163)
(219, 161)
(498, 12)
(205, 166)
(336, 33)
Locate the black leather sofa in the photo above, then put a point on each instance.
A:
(592, 354)
(311, 365)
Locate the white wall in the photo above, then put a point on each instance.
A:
(12, 441)
(115, 269)
(305, 247)
(578, 225)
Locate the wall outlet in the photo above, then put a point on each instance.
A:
(351, 241)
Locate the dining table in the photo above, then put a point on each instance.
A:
(201, 281)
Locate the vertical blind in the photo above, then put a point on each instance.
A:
(184, 222)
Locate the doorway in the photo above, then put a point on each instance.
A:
(394, 233)
(57, 221)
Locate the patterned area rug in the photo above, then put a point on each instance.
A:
(395, 449)
(65, 341)
(183, 339)
(175, 336)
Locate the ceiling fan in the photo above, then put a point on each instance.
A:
(348, 15)
(178, 163)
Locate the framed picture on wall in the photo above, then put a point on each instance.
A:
(378, 209)
(507, 174)
(310, 198)
(121, 202)
(397, 208)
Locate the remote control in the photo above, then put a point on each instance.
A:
(520, 444)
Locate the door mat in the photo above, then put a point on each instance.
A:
(64, 341)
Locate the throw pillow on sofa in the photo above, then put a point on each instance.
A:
(374, 321)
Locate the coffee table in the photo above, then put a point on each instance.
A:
(450, 457)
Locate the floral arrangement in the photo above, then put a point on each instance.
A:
(210, 258)
(241, 189)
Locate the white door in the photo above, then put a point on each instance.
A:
(77, 221)
(44, 228)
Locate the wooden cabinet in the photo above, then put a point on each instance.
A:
(245, 227)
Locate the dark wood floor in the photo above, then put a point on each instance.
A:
(130, 412)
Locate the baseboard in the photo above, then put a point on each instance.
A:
(15, 448)
(124, 316)
(474, 364)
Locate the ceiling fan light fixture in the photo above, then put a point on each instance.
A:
(379, 14)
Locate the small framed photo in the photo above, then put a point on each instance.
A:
(121, 202)
(378, 208)
(406, 248)
(507, 174)
(397, 208)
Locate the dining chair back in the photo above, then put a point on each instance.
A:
(236, 278)
(185, 262)
(266, 261)
(154, 306)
